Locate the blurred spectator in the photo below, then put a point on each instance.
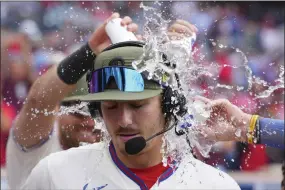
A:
(8, 113)
(20, 74)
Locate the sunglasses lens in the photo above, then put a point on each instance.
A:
(127, 80)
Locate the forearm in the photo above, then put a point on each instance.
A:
(272, 132)
(35, 120)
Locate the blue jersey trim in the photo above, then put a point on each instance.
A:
(125, 170)
(166, 175)
(168, 172)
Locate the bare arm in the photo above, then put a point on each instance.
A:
(36, 119)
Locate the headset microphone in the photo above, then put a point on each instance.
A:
(137, 144)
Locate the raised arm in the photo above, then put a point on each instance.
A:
(35, 120)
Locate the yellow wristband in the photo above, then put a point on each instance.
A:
(252, 125)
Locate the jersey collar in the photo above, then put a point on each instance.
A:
(131, 175)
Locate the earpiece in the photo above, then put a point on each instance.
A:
(173, 101)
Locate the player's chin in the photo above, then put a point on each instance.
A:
(118, 143)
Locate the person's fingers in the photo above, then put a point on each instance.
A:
(114, 15)
(181, 29)
(220, 105)
(133, 27)
(229, 110)
(220, 102)
(126, 21)
(175, 36)
(139, 37)
(187, 24)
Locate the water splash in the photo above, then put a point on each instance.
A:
(153, 62)
(251, 78)
(81, 108)
(248, 71)
(271, 89)
(161, 60)
(155, 33)
(100, 124)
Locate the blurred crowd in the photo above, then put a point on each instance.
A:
(36, 35)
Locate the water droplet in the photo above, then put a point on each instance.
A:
(238, 133)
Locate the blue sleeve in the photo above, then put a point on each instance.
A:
(272, 132)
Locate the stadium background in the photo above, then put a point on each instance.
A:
(36, 35)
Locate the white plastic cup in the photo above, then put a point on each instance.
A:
(118, 33)
(181, 48)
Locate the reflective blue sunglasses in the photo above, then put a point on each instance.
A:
(127, 79)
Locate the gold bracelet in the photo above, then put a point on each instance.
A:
(252, 125)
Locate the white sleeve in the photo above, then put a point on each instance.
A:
(39, 179)
(21, 162)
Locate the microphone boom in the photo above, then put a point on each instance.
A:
(137, 144)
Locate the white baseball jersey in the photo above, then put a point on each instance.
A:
(20, 162)
(97, 167)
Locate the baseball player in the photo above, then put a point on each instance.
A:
(136, 111)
